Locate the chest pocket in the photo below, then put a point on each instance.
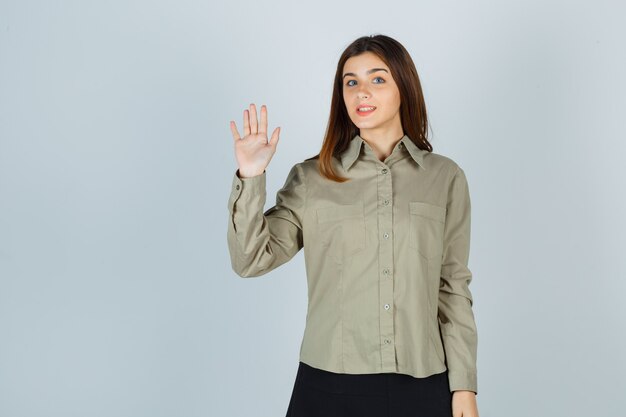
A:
(426, 228)
(342, 230)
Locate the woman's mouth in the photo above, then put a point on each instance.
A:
(365, 110)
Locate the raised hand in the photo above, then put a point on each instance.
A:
(253, 151)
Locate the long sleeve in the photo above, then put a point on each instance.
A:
(456, 318)
(258, 241)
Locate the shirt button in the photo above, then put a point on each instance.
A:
(237, 187)
(384, 171)
(387, 341)
(386, 235)
(386, 271)
(386, 202)
(386, 306)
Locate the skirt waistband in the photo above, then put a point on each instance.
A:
(364, 384)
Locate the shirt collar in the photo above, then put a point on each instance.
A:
(350, 155)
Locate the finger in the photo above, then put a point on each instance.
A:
(274, 138)
(253, 120)
(233, 129)
(263, 125)
(246, 123)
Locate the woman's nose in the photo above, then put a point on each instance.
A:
(363, 93)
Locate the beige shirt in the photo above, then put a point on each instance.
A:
(386, 257)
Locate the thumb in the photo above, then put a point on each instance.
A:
(274, 138)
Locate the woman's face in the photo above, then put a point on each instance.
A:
(367, 81)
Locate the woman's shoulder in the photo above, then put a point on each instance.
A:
(309, 164)
(438, 162)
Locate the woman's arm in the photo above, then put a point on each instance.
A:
(456, 318)
(260, 242)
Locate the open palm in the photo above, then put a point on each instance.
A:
(253, 152)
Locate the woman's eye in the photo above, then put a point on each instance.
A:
(377, 78)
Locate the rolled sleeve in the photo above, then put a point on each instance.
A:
(258, 241)
(456, 318)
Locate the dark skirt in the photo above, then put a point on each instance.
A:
(319, 393)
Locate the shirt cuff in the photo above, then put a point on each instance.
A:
(245, 188)
(466, 381)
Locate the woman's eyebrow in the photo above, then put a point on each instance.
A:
(368, 72)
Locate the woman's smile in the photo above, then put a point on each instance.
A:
(365, 111)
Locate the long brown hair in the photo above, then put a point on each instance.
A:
(340, 129)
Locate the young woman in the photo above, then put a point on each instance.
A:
(385, 226)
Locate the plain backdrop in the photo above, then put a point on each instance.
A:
(117, 296)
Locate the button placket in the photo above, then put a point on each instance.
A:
(385, 258)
